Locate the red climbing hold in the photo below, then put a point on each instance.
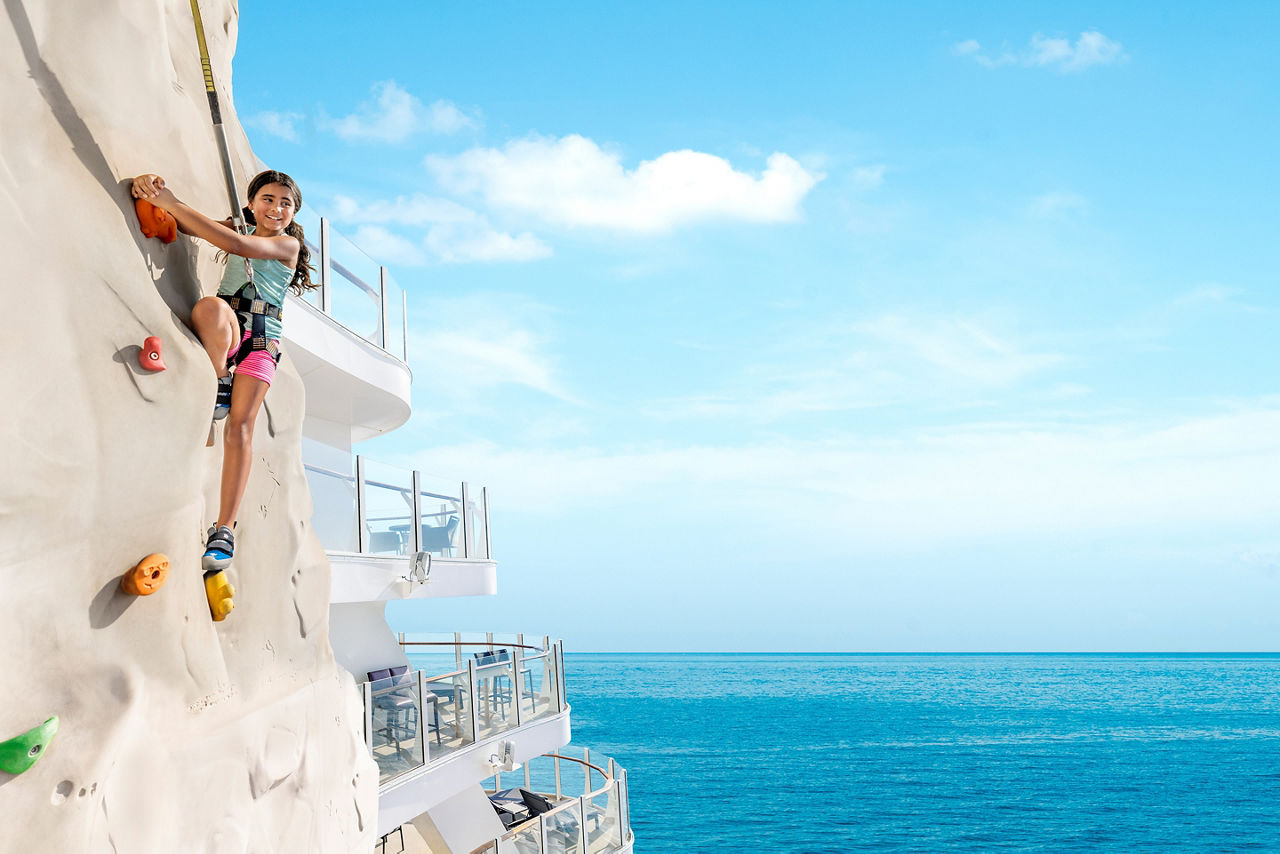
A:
(156, 222)
(149, 356)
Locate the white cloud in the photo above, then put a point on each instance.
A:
(457, 244)
(282, 125)
(883, 361)
(455, 234)
(868, 177)
(394, 115)
(1048, 205)
(417, 209)
(1092, 48)
(482, 341)
(573, 181)
(962, 483)
(387, 247)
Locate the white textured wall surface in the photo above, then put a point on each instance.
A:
(177, 734)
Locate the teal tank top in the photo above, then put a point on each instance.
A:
(270, 278)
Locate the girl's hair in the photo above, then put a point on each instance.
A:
(301, 282)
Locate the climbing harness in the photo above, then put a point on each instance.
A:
(253, 313)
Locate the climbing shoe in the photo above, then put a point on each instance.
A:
(219, 549)
(222, 400)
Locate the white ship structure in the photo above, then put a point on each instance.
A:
(470, 732)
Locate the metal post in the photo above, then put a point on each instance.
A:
(557, 761)
(564, 700)
(362, 530)
(367, 690)
(516, 681)
(422, 717)
(488, 542)
(582, 821)
(586, 766)
(326, 265)
(382, 307)
(542, 831)
(457, 649)
(528, 775)
(625, 801)
(471, 692)
(400, 638)
(404, 317)
(415, 535)
(466, 523)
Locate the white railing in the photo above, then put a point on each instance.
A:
(375, 509)
(355, 290)
(583, 807)
(479, 690)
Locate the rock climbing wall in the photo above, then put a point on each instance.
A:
(175, 733)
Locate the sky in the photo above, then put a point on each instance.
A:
(827, 327)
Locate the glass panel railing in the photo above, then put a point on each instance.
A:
(564, 835)
(523, 840)
(495, 693)
(395, 344)
(449, 721)
(477, 523)
(354, 291)
(335, 512)
(604, 827)
(388, 509)
(395, 737)
(441, 518)
(536, 686)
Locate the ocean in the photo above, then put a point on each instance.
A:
(785, 753)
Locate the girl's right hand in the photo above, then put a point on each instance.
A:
(147, 186)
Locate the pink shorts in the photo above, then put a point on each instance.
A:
(259, 363)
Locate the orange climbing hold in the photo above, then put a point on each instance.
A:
(147, 577)
(149, 356)
(156, 222)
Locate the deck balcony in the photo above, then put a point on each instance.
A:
(349, 341)
(397, 534)
(461, 710)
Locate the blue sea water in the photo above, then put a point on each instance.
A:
(834, 753)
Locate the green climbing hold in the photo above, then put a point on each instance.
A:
(21, 752)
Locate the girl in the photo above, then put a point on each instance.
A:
(240, 327)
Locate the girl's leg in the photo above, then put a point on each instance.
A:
(216, 327)
(247, 393)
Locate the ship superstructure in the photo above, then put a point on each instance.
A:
(469, 731)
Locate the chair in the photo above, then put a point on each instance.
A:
(385, 542)
(439, 538)
(500, 686)
(401, 710)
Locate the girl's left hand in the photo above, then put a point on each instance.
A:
(152, 188)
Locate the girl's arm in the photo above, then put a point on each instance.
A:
(283, 248)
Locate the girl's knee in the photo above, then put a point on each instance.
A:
(238, 432)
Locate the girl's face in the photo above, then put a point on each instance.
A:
(272, 209)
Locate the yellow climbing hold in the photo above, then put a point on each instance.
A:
(219, 591)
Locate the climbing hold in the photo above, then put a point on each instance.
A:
(21, 752)
(149, 356)
(218, 590)
(156, 222)
(147, 577)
